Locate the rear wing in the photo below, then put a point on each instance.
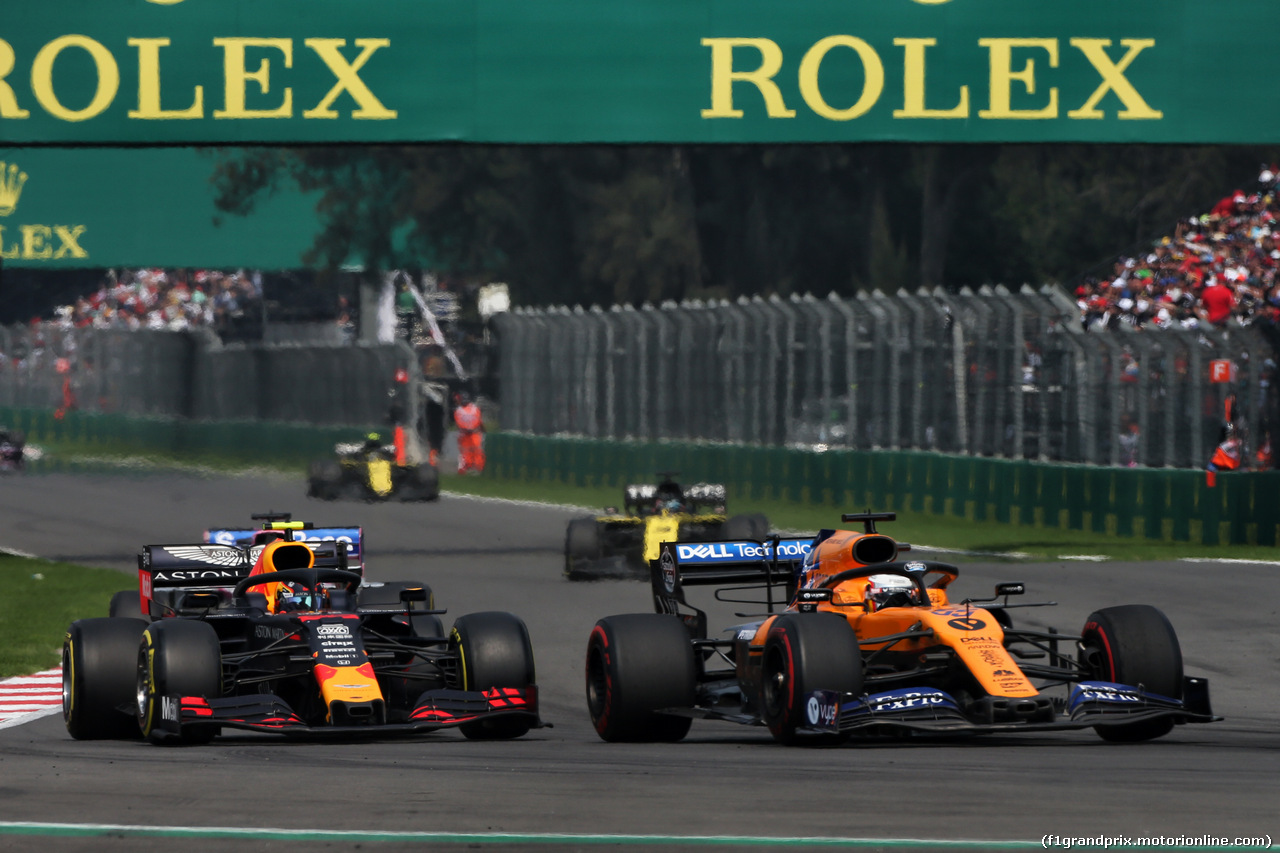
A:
(744, 562)
(313, 537)
(166, 571)
(638, 496)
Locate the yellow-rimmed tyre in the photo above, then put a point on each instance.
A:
(493, 650)
(178, 657)
(98, 661)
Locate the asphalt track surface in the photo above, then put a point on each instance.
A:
(725, 787)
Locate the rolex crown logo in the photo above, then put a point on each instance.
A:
(12, 180)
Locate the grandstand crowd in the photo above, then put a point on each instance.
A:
(173, 300)
(1216, 269)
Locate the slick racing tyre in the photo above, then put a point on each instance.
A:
(99, 657)
(178, 657)
(324, 478)
(1133, 644)
(803, 653)
(421, 484)
(126, 603)
(581, 547)
(494, 651)
(637, 664)
(752, 526)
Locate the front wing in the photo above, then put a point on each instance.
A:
(434, 710)
(930, 711)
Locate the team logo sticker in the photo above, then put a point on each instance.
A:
(967, 624)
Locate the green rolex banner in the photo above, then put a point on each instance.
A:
(101, 207)
(564, 71)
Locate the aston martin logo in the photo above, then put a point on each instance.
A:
(214, 555)
(11, 183)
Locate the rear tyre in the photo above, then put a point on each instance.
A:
(1133, 644)
(424, 484)
(178, 657)
(582, 547)
(637, 664)
(494, 651)
(739, 527)
(99, 657)
(761, 523)
(803, 653)
(323, 479)
(127, 604)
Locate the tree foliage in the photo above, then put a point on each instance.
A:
(605, 224)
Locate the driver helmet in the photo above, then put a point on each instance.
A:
(295, 596)
(673, 505)
(890, 591)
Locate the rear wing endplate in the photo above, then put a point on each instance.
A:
(738, 561)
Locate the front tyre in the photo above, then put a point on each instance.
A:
(638, 664)
(803, 653)
(494, 650)
(1133, 644)
(178, 657)
(98, 661)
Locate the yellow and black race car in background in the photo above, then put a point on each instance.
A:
(371, 472)
(620, 544)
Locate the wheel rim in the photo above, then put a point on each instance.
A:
(597, 684)
(775, 684)
(67, 676)
(143, 688)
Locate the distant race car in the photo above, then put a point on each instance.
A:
(282, 637)
(12, 442)
(858, 642)
(622, 543)
(369, 471)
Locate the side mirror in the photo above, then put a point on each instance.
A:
(416, 593)
(809, 599)
(1010, 589)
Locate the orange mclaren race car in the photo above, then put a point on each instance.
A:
(281, 637)
(856, 641)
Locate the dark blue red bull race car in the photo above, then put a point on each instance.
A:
(279, 635)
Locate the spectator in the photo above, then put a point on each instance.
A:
(1217, 302)
(1229, 255)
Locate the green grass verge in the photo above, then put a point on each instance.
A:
(41, 598)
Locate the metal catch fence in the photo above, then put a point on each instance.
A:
(990, 373)
(191, 374)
